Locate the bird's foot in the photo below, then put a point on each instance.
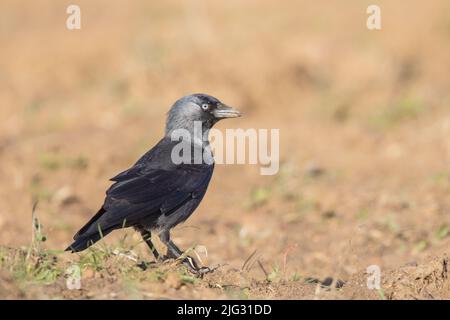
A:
(190, 264)
(195, 269)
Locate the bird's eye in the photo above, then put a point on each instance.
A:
(205, 106)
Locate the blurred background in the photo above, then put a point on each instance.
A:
(364, 119)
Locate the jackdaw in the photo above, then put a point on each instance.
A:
(158, 193)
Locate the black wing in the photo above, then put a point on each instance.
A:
(152, 187)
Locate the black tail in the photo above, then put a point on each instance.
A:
(85, 238)
(89, 223)
(83, 242)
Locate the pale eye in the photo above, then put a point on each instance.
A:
(205, 106)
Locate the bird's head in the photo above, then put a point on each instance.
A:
(198, 107)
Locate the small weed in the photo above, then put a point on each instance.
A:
(77, 163)
(32, 264)
(275, 274)
(259, 197)
(187, 279)
(442, 232)
(94, 259)
(363, 214)
(295, 277)
(53, 161)
(50, 161)
(404, 109)
(421, 246)
(381, 294)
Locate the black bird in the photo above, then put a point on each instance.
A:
(158, 193)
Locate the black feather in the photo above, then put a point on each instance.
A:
(147, 194)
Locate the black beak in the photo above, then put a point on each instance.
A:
(223, 111)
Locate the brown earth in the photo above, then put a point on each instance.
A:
(364, 119)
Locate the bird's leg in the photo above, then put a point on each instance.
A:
(174, 252)
(147, 237)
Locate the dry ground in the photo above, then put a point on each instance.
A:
(364, 119)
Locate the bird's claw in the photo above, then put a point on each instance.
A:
(195, 269)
